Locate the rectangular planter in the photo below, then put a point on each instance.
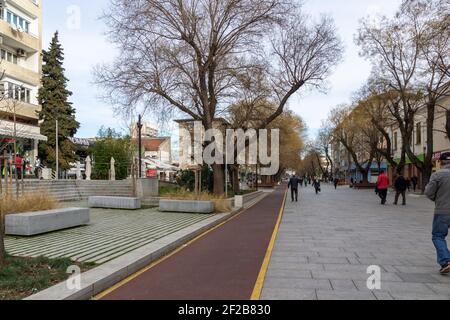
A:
(186, 206)
(242, 201)
(115, 203)
(30, 224)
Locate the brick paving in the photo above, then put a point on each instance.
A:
(326, 243)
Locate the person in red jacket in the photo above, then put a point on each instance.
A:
(382, 187)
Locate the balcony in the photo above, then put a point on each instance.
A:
(28, 6)
(18, 39)
(22, 131)
(20, 73)
(23, 109)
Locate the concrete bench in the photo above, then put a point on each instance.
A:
(186, 206)
(30, 224)
(242, 201)
(115, 203)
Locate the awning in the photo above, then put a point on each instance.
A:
(421, 158)
(159, 165)
(22, 134)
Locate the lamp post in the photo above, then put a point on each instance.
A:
(139, 127)
(57, 149)
(226, 172)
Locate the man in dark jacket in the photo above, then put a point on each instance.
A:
(294, 182)
(438, 190)
(316, 185)
(400, 186)
(336, 183)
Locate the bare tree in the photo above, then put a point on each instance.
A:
(433, 80)
(323, 145)
(189, 56)
(410, 58)
(353, 130)
(377, 105)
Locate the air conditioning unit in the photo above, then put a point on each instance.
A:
(21, 53)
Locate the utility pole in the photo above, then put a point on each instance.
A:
(257, 177)
(226, 173)
(139, 126)
(57, 150)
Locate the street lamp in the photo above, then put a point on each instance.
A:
(57, 148)
(139, 127)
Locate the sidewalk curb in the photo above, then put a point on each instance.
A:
(107, 275)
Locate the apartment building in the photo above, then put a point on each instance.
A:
(21, 66)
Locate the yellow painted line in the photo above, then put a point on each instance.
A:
(256, 295)
(152, 265)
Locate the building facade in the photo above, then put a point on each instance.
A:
(419, 142)
(149, 130)
(157, 148)
(21, 67)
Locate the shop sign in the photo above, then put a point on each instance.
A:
(151, 173)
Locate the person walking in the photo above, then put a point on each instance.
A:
(336, 183)
(37, 167)
(415, 182)
(382, 187)
(438, 190)
(408, 184)
(18, 166)
(400, 186)
(293, 185)
(316, 185)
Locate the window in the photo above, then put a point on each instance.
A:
(16, 92)
(8, 56)
(418, 133)
(17, 21)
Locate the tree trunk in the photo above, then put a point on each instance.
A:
(427, 169)
(2, 243)
(448, 123)
(219, 179)
(365, 175)
(234, 170)
(426, 175)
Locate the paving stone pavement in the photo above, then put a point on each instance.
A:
(327, 242)
(111, 234)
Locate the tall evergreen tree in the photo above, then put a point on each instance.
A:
(53, 96)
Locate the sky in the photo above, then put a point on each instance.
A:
(82, 35)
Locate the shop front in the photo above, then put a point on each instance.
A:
(410, 171)
(23, 141)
